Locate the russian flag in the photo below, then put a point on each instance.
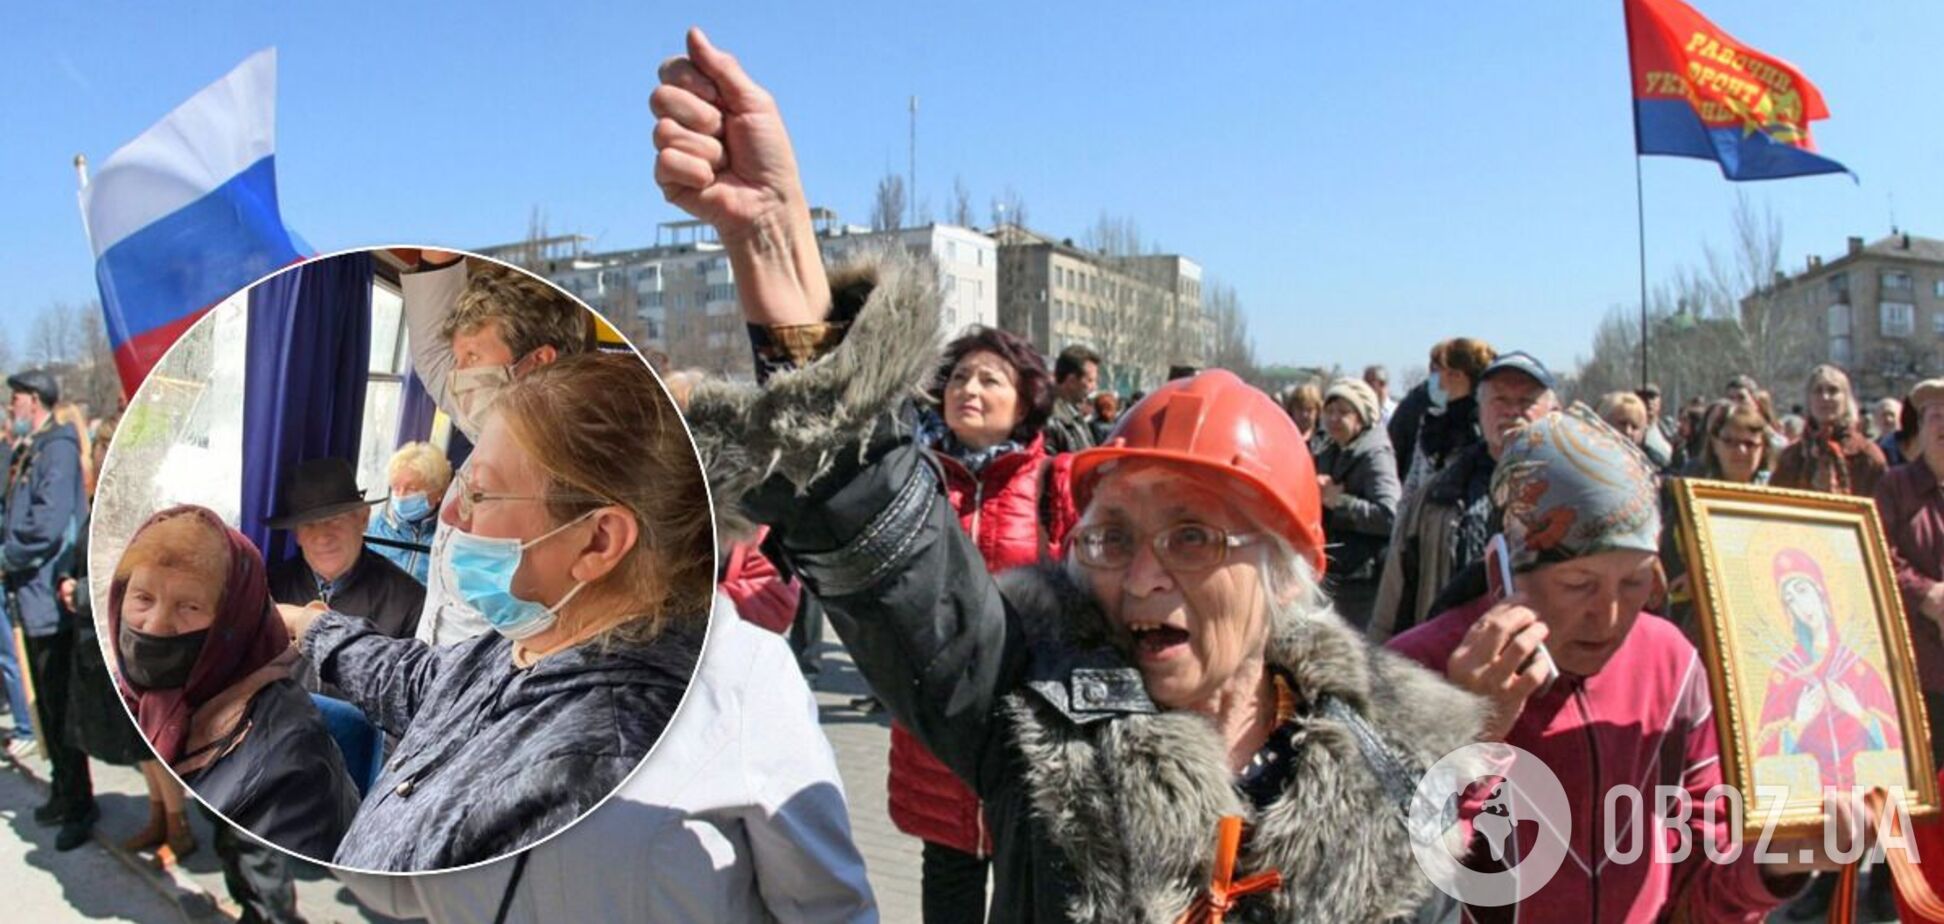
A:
(186, 214)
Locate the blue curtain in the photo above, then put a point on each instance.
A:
(307, 362)
(415, 410)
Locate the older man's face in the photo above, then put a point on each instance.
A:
(1507, 400)
(1888, 414)
(331, 546)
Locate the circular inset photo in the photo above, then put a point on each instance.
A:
(401, 560)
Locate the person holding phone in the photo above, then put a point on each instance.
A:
(1630, 704)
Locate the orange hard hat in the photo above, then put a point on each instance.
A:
(1217, 422)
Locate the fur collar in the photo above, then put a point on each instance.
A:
(1133, 795)
(796, 423)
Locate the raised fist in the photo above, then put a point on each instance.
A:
(722, 152)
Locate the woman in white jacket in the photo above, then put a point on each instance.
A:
(738, 815)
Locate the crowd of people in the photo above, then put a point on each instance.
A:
(1174, 656)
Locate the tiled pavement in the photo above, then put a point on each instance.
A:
(862, 743)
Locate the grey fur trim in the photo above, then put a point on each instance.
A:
(1134, 802)
(796, 423)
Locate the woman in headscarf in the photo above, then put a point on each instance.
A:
(582, 535)
(1125, 715)
(1616, 696)
(1357, 473)
(96, 721)
(205, 666)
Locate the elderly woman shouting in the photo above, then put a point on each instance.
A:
(584, 538)
(1118, 714)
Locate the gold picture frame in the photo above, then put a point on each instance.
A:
(1807, 651)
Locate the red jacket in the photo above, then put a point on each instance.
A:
(1646, 719)
(761, 595)
(1000, 509)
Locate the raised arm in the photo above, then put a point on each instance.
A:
(822, 451)
(430, 292)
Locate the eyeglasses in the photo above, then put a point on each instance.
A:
(1182, 547)
(468, 497)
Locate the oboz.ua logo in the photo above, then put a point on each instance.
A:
(1517, 794)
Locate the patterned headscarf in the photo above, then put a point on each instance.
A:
(1570, 486)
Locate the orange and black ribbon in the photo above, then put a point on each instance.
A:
(1211, 906)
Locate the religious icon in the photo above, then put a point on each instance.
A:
(1804, 638)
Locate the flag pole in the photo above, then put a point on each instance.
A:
(1640, 197)
(1640, 224)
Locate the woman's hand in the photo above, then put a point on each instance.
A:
(297, 619)
(66, 593)
(1495, 660)
(1331, 491)
(724, 156)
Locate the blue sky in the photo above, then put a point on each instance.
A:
(1370, 177)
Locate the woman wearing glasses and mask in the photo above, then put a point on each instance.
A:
(584, 541)
(1181, 668)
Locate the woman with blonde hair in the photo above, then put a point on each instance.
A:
(1833, 455)
(585, 540)
(419, 475)
(1625, 413)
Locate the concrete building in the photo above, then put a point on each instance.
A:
(1878, 311)
(679, 296)
(1142, 314)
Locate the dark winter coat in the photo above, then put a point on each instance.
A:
(1358, 529)
(1003, 510)
(1103, 807)
(375, 588)
(97, 721)
(491, 757)
(285, 780)
(43, 517)
(1403, 426)
(1067, 428)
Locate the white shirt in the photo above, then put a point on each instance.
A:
(738, 815)
(430, 296)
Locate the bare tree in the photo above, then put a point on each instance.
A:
(56, 336)
(100, 383)
(888, 206)
(1231, 347)
(1710, 322)
(1780, 338)
(1009, 208)
(961, 203)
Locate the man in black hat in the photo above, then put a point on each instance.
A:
(322, 506)
(43, 516)
(1439, 544)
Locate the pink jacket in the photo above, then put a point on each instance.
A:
(1647, 720)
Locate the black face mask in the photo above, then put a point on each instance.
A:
(159, 662)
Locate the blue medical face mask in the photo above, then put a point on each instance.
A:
(1438, 395)
(411, 507)
(482, 572)
(21, 427)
